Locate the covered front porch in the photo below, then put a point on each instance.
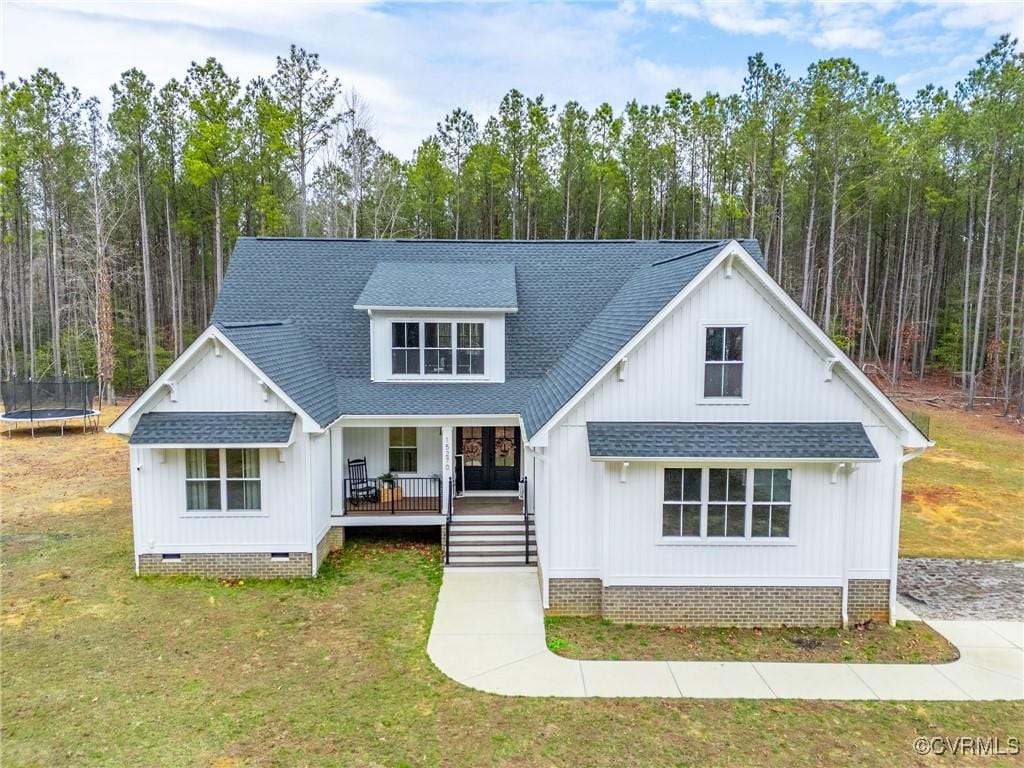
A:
(407, 472)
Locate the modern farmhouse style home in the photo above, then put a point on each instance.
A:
(654, 425)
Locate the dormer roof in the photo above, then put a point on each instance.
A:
(435, 286)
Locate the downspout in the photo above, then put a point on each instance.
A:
(897, 503)
(846, 553)
(309, 504)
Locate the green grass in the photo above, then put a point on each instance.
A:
(965, 496)
(595, 638)
(100, 667)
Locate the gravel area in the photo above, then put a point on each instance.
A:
(941, 588)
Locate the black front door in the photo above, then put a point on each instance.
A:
(490, 458)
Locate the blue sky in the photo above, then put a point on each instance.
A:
(413, 62)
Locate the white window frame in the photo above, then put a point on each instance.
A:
(702, 330)
(392, 348)
(454, 323)
(415, 446)
(222, 467)
(703, 539)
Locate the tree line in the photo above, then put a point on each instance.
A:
(894, 221)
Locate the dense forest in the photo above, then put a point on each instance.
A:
(895, 222)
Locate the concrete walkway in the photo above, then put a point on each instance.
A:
(488, 634)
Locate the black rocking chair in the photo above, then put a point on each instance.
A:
(360, 487)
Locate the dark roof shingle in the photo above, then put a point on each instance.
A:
(289, 305)
(213, 428)
(436, 285)
(729, 440)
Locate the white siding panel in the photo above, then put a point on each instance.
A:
(784, 381)
(575, 499)
(320, 476)
(222, 383)
(372, 443)
(162, 523)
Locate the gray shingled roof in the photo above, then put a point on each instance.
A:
(289, 305)
(213, 428)
(736, 440)
(434, 284)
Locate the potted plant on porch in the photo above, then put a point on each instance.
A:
(390, 490)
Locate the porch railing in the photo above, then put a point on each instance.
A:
(448, 523)
(526, 520)
(400, 496)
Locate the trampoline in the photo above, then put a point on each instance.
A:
(47, 402)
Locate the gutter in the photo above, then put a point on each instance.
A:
(897, 502)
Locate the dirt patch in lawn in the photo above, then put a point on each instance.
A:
(964, 497)
(595, 638)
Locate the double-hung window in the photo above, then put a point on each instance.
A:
(222, 480)
(725, 503)
(437, 348)
(405, 348)
(402, 449)
(723, 361)
(771, 502)
(470, 355)
(681, 509)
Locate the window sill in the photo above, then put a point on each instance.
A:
(695, 541)
(434, 378)
(217, 513)
(723, 401)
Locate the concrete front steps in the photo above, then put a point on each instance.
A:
(490, 540)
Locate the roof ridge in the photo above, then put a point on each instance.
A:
(712, 244)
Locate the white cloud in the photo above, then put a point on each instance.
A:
(413, 63)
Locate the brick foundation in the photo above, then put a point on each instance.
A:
(230, 565)
(574, 597)
(732, 606)
(868, 599)
(334, 539)
(696, 606)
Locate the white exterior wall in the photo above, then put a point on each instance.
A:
(160, 521)
(494, 344)
(600, 526)
(221, 383)
(372, 443)
(320, 456)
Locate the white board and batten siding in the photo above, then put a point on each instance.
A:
(599, 526)
(373, 444)
(163, 525)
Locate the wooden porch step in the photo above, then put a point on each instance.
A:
(487, 547)
(492, 558)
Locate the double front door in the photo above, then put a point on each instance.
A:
(490, 458)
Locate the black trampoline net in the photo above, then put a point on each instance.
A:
(37, 397)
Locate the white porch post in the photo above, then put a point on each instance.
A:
(447, 463)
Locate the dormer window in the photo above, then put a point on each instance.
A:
(405, 348)
(435, 348)
(471, 349)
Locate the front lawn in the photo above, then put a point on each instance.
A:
(596, 638)
(100, 667)
(965, 496)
